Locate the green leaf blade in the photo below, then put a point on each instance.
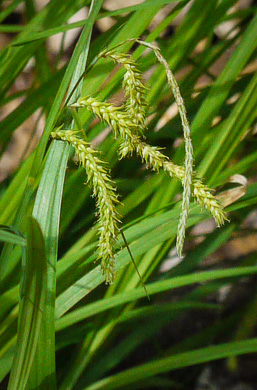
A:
(33, 294)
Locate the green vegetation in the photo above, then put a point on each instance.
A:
(61, 325)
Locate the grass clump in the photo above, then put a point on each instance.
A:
(60, 325)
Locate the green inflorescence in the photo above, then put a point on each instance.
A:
(127, 123)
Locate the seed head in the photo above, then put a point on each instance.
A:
(106, 198)
(133, 86)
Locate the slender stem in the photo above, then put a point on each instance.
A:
(78, 122)
(134, 263)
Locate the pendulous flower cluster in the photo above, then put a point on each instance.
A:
(133, 86)
(128, 123)
(151, 155)
(105, 193)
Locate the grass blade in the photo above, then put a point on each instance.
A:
(43, 373)
(154, 288)
(223, 84)
(8, 234)
(32, 300)
(47, 213)
(190, 358)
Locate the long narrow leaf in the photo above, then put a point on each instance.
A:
(186, 359)
(47, 213)
(8, 234)
(32, 305)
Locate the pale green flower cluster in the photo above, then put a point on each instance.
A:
(187, 180)
(133, 86)
(105, 193)
(136, 100)
(127, 122)
(151, 155)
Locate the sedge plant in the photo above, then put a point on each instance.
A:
(127, 123)
(61, 327)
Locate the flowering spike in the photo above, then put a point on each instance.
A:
(151, 155)
(104, 192)
(187, 180)
(133, 85)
